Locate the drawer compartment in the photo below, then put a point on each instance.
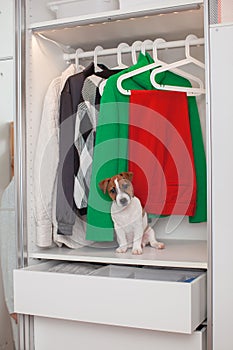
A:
(155, 299)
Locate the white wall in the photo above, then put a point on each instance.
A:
(6, 115)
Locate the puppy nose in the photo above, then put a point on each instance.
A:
(123, 200)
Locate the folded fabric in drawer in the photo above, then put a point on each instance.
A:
(74, 268)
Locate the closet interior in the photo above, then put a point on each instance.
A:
(170, 31)
(55, 44)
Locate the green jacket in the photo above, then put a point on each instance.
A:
(111, 148)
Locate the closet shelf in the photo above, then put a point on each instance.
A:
(118, 24)
(178, 253)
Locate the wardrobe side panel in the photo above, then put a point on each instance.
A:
(44, 63)
(222, 184)
(6, 116)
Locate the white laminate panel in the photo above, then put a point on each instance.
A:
(6, 116)
(222, 185)
(177, 253)
(62, 334)
(110, 28)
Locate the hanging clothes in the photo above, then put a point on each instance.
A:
(45, 182)
(85, 129)
(111, 148)
(111, 151)
(160, 152)
(169, 78)
(46, 161)
(68, 157)
(69, 161)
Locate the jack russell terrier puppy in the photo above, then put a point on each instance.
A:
(130, 220)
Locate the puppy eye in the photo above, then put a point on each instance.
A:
(125, 186)
(113, 190)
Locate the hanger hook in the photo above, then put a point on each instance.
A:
(134, 48)
(77, 52)
(189, 38)
(155, 48)
(120, 47)
(145, 44)
(96, 51)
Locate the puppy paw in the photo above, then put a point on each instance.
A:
(121, 250)
(157, 245)
(137, 251)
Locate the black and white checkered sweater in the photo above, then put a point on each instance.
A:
(85, 129)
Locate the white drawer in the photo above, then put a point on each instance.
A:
(118, 297)
(57, 334)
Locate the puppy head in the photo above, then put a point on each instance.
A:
(119, 188)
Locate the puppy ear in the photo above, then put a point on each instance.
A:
(127, 175)
(104, 184)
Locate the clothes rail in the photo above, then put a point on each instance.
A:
(113, 51)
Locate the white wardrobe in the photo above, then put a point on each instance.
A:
(6, 116)
(127, 304)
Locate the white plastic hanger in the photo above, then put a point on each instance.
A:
(191, 91)
(77, 52)
(189, 38)
(144, 44)
(120, 64)
(96, 50)
(135, 45)
(178, 71)
(172, 66)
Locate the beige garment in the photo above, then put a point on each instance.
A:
(46, 160)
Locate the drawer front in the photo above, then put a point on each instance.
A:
(138, 303)
(56, 334)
